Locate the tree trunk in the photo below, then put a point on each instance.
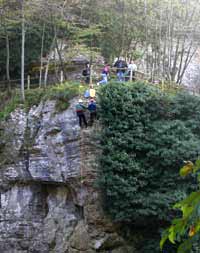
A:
(181, 61)
(22, 53)
(8, 61)
(48, 61)
(41, 56)
(175, 60)
(171, 34)
(160, 46)
(122, 50)
(187, 62)
(146, 37)
(46, 73)
(60, 58)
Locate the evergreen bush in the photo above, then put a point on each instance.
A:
(146, 135)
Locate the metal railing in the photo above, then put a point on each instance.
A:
(130, 74)
(138, 75)
(95, 75)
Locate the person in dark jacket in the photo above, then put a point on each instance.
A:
(80, 108)
(93, 110)
(121, 66)
(86, 73)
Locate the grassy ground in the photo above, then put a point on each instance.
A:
(62, 93)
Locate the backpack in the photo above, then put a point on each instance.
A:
(85, 72)
(92, 107)
(79, 108)
(120, 65)
(92, 93)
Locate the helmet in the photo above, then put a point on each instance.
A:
(80, 101)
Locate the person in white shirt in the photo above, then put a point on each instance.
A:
(132, 67)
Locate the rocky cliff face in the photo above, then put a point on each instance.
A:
(48, 201)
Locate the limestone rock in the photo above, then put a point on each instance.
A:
(124, 250)
(80, 239)
(48, 203)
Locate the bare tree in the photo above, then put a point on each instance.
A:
(22, 49)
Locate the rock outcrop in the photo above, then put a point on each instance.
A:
(48, 199)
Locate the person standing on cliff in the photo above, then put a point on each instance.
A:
(80, 109)
(104, 74)
(121, 66)
(86, 73)
(93, 110)
(132, 67)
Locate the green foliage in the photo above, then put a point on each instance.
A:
(85, 35)
(32, 49)
(61, 93)
(185, 230)
(146, 136)
(136, 55)
(33, 97)
(9, 106)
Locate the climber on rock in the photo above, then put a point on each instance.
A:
(93, 110)
(80, 109)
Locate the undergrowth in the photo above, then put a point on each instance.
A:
(62, 93)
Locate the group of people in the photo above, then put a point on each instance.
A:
(81, 109)
(123, 71)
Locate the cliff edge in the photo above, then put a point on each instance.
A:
(48, 199)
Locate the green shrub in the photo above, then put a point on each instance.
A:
(61, 93)
(33, 97)
(146, 135)
(9, 104)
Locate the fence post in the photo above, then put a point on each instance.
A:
(61, 76)
(163, 86)
(91, 74)
(131, 75)
(28, 82)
